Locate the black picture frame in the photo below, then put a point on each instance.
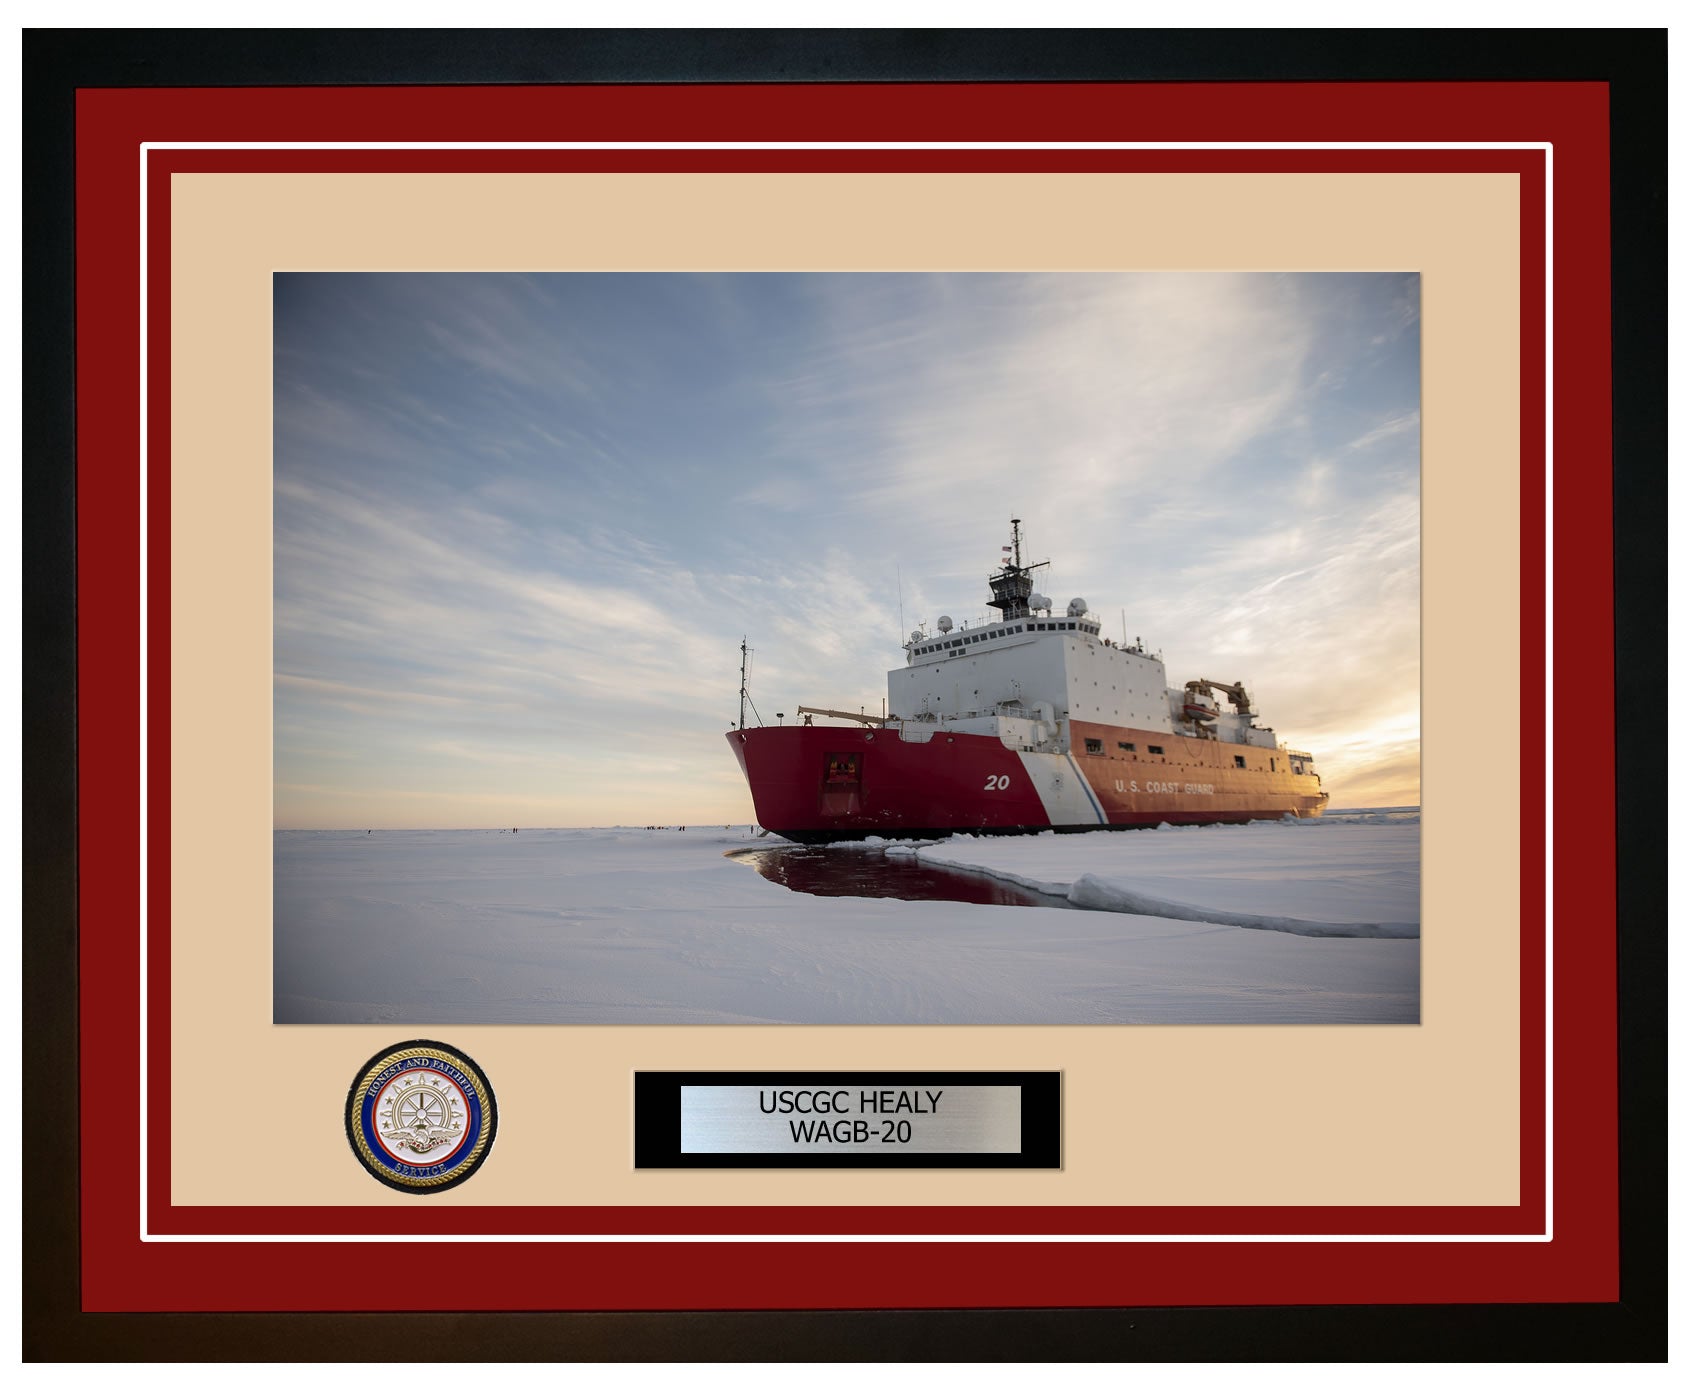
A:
(58, 62)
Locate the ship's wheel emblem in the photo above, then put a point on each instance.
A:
(421, 1116)
(422, 1120)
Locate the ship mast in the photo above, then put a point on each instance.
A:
(744, 698)
(1012, 584)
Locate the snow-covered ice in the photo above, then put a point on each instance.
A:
(1347, 875)
(628, 926)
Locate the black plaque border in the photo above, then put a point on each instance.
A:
(56, 62)
(656, 1118)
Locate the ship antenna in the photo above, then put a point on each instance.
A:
(902, 624)
(744, 697)
(1015, 527)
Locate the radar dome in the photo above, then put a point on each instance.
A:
(946, 624)
(1077, 606)
(1040, 602)
(915, 637)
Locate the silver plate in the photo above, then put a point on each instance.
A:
(850, 1119)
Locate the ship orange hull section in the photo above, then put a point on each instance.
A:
(1141, 778)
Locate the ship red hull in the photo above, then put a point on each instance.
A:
(822, 783)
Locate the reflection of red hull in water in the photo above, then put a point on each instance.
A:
(819, 783)
(1029, 721)
(876, 875)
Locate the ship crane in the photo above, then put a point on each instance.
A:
(843, 715)
(1235, 693)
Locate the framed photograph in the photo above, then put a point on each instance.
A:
(520, 520)
(990, 698)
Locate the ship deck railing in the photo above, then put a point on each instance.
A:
(990, 621)
(1014, 713)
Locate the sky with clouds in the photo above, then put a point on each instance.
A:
(521, 522)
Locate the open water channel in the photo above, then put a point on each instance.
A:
(872, 874)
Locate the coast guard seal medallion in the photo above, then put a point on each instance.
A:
(421, 1116)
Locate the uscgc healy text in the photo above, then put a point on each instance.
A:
(842, 1102)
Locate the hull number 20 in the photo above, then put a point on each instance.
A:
(996, 781)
